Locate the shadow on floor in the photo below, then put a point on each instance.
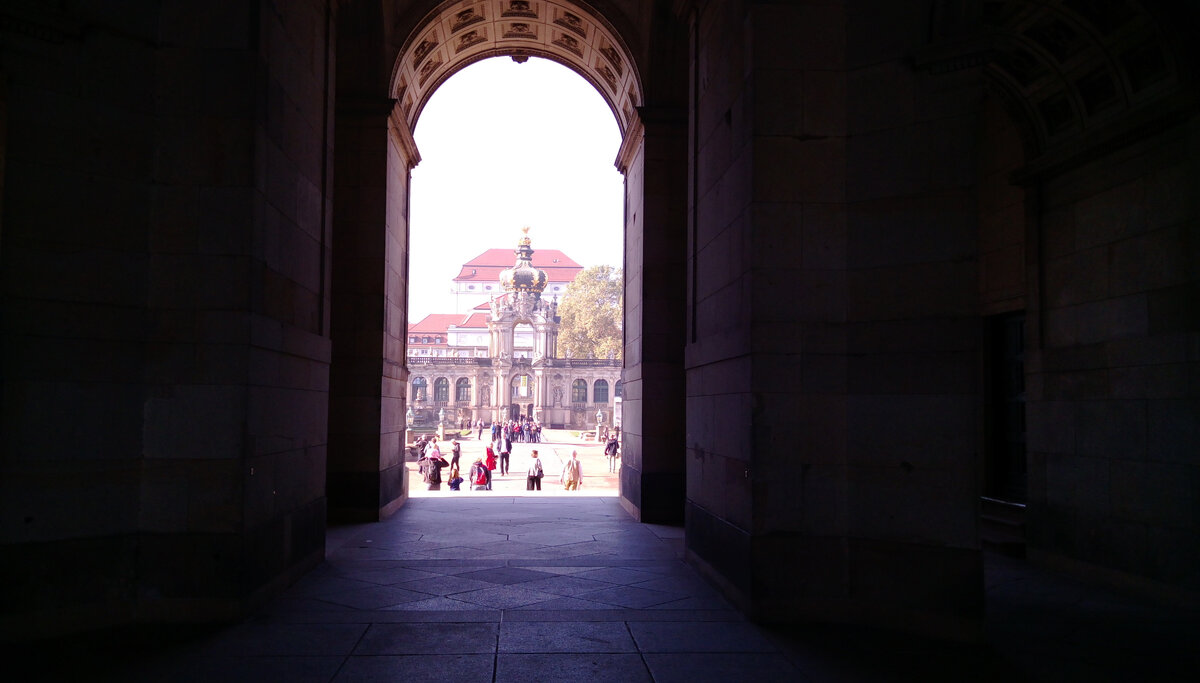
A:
(555, 589)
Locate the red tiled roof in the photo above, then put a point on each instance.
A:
(487, 266)
(435, 323)
(439, 323)
(475, 320)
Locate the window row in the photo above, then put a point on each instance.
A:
(441, 389)
(579, 391)
(462, 390)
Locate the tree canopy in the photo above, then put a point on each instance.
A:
(591, 312)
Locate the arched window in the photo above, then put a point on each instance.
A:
(441, 389)
(617, 388)
(521, 387)
(579, 391)
(420, 389)
(600, 391)
(462, 390)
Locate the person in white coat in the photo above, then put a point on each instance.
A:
(533, 480)
(572, 473)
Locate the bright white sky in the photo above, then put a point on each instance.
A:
(505, 145)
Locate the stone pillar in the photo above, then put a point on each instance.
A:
(653, 159)
(165, 365)
(834, 343)
(369, 379)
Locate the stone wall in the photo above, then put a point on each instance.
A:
(1113, 401)
(166, 349)
(831, 373)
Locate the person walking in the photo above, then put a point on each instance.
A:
(533, 476)
(612, 450)
(572, 473)
(505, 450)
(479, 430)
(455, 452)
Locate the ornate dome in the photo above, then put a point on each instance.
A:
(523, 277)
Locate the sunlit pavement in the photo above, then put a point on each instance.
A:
(553, 452)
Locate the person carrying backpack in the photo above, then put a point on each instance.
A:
(612, 450)
(432, 469)
(533, 479)
(481, 479)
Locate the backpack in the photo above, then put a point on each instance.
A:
(480, 476)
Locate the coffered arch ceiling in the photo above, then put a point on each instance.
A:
(458, 33)
(1081, 67)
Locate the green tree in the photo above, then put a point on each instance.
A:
(592, 312)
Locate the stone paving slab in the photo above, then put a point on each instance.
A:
(422, 639)
(542, 636)
(770, 667)
(685, 636)
(430, 668)
(573, 668)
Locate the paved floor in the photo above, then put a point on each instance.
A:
(555, 588)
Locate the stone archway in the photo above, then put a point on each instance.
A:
(375, 119)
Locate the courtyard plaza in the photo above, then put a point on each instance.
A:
(508, 585)
(554, 449)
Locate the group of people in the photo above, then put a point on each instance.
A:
(430, 462)
(524, 430)
(498, 452)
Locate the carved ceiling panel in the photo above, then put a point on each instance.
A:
(1076, 65)
(459, 33)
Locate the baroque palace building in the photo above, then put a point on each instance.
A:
(500, 361)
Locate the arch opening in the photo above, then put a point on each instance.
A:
(431, 49)
(469, 194)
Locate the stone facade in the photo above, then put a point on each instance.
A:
(561, 392)
(885, 261)
(520, 375)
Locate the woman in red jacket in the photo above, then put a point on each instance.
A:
(491, 459)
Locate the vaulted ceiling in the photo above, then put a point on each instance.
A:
(459, 33)
(1078, 65)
